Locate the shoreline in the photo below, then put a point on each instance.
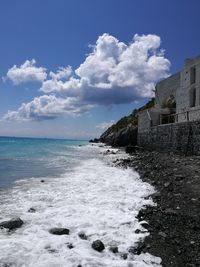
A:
(174, 224)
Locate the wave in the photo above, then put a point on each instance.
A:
(94, 198)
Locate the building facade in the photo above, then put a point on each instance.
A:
(177, 98)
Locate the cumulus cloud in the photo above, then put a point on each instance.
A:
(26, 72)
(47, 107)
(113, 73)
(105, 125)
(62, 73)
(116, 73)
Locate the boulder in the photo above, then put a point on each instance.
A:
(98, 245)
(12, 224)
(59, 231)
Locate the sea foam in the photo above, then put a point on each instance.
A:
(95, 198)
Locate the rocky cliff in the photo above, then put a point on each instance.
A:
(124, 132)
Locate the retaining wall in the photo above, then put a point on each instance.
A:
(181, 138)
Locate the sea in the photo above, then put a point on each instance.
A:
(70, 184)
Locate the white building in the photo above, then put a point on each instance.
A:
(177, 98)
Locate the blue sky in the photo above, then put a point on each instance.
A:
(106, 71)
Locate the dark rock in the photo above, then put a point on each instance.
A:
(70, 246)
(141, 215)
(82, 236)
(95, 140)
(124, 256)
(137, 231)
(59, 231)
(32, 210)
(98, 245)
(130, 149)
(52, 250)
(114, 249)
(137, 250)
(42, 181)
(145, 225)
(12, 224)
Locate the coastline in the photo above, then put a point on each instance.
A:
(174, 224)
(55, 221)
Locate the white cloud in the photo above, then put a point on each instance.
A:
(26, 72)
(113, 73)
(105, 125)
(62, 73)
(47, 107)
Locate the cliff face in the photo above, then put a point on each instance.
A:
(124, 132)
(120, 136)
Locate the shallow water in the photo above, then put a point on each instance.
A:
(93, 197)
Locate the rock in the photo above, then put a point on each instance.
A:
(42, 181)
(145, 225)
(12, 224)
(124, 256)
(32, 210)
(95, 140)
(82, 236)
(141, 215)
(98, 245)
(167, 184)
(162, 234)
(130, 149)
(114, 249)
(137, 231)
(137, 250)
(70, 246)
(59, 231)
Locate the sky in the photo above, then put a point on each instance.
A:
(71, 68)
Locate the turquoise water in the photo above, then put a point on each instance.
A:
(23, 158)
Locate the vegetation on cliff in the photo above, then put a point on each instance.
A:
(124, 131)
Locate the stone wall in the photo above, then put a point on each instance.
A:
(181, 138)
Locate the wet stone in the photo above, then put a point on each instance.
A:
(114, 249)
(59, 231)
(82, 236)
(98, 245)
(70, 246)
(124, 256)
(12, 224)
(32, 210)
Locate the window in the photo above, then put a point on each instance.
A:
(192, 97)
(192, 75)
